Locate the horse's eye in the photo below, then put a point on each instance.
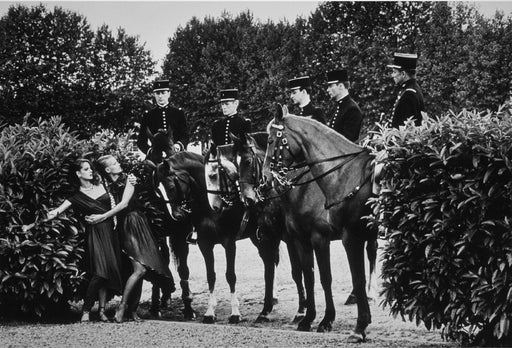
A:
(270, 141)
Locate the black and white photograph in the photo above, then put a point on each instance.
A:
(256, 173)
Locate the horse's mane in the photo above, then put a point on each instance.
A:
(260, 138)
(326, 133)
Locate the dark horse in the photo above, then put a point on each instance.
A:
(222, 176)
(176, 231)
(299, 203)
(343, 171)
(181, 181)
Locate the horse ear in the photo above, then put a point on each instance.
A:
(166, 166)
(213, 151)
(249, 140)
(284, 110)
(278, 112)
(150, 135)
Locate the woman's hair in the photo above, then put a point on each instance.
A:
(102, 164)
(77, 166)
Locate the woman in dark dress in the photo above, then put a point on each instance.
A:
(102, 243)
(137, 240)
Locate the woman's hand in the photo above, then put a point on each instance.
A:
(132, 179)
(52, 214)
(94, 219)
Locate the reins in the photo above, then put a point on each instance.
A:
(279, 171)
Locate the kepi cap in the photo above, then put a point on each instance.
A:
(336, 76)
(299, 82)
(159, 85)
(228, 94)
(404, 61)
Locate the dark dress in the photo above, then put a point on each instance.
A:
(103, 251)
(137, 239)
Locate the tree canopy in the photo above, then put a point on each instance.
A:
(53, 64)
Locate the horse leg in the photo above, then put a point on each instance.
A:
(371, 252)
(158, 284)
(268, 251)
(181, 250)
(230, 249)
(354, 248)
(308, 266)
(209, 260)
(323, 259)
(296, 269)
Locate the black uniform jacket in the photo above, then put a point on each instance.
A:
(232, 124)
(315, 113)
(347, 119)
(409, 103)
(167, 117)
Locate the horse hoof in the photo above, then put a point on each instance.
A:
(351, 300)
(324, 327)
(209, 319)
(304, 327)
(356, 338)
(234, 319)
(189, 315)
(262, 318)
(155, 312)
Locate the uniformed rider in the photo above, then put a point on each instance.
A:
(163, 116)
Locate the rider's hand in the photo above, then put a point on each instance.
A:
(177, 147)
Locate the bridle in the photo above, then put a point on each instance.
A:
(161, 193)
(280, 171)
(229, 189)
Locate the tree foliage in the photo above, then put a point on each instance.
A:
(53, 64)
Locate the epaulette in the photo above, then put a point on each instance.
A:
(411, 89)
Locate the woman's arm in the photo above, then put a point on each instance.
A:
(52, 214)
(129, 189)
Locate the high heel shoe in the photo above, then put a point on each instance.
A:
(85, 317)
(135, 317)
(120, 313)
(102, 315)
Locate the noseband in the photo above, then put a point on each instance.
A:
(229, 189)
(184, 204)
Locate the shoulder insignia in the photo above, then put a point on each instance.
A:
(411, 90)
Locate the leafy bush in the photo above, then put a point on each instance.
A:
(446, 201)
(39, 268)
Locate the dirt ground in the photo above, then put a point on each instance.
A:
(171, 330)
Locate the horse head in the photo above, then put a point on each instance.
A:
(174, 186)
(221, 175)
(161, 146)
(250, 150)
(284, 149)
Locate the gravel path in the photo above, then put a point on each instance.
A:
(171, 330)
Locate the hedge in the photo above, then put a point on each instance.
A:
(41, 269)
(445, 205)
